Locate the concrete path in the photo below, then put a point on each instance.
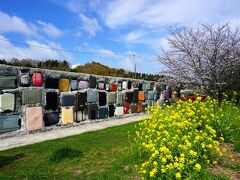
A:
(27, 139)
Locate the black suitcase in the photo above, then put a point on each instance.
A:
(52, 83)
(24, 78)
(140, 87)
(51, 101)
(103, 112)
(135, 95)
(111, 110)
(129, 85)
(51, 118)
(68, 100)
(102, 98)
(92, 111)
(129, 97)
(92, 82)
(81, 100)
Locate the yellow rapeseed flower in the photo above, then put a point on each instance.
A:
(178, 175)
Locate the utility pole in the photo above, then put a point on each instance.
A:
(135, 66)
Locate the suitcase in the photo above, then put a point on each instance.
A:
(139, 106)
(51, 101)
(119, 86)
(64, 85)
(129, 97)
(68, 100)
(83, 85)
(133, 108)
(37, 79)
(144, 107)
(24, 78)
(92, 111)
(124, 85)
(9, 123)
(141, 96)
(135, 95)
(92, 82)
(144, 86)
(52, 83)
(102, 98)
(81, 100)
(8, 82)
(51, 118)
(140, 85)
(151, 86)
(103, 112)
(151, 95)
(113, 87)
(111, 97)
(107, 86)
(129, 85)
(101, 85)
(126, 108)
(119, 111)
(135, 84)
(74, 85)
(92, 95)
(147, 86)
(81, 115)
(111, 110)
(119, 101)
(7, 102)
(34, 118)
(66, 115)
(31, 96)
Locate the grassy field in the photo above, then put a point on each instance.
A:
(96, 155)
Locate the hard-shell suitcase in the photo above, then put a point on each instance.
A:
(144, 88)
(133, 108)
(81, 115)
(7, 102)
(83, 84)
(139, 106)
(111, 110)
(66, 115)
(119, 101)
(107, 86)
(140, 86)
(126, 108)
(34, 118)
(92, 82)
(92, 111)
(31, 96)
(68, 100)
(51, 101)
(102, 112)
(141, 96)
(124, 85)
(81, 100)
(102, 98)
(129, 97)
(92, 95)
(151, 86)
(52, 83)
(74, 85)
(51, 118)
(119, 86)
(144, 107)
(37, 79)
(135, 95)
(129, 85)
(119, 111)
(135, 84)
(151, 95)
(8, 82)
(64, 85)
(24, 78)
(9, 123)
(111, 97)
(113, 87)
(101, 85)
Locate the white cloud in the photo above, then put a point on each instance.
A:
(9, 50)
(90, 25)
(50, 30)
(15, 24)
(155, 13)
(134, 36)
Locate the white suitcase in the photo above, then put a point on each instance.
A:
(119, 111)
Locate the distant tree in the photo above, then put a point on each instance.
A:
(207, 56)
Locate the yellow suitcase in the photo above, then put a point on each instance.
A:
(67, 115)
(64, 85)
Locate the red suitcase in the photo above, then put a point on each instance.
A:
(37, 79)
(126, 108)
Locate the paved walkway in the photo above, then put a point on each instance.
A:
(27, 139)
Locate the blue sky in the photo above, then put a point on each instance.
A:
(114, 29)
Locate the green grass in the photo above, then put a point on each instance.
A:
(102, 154)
